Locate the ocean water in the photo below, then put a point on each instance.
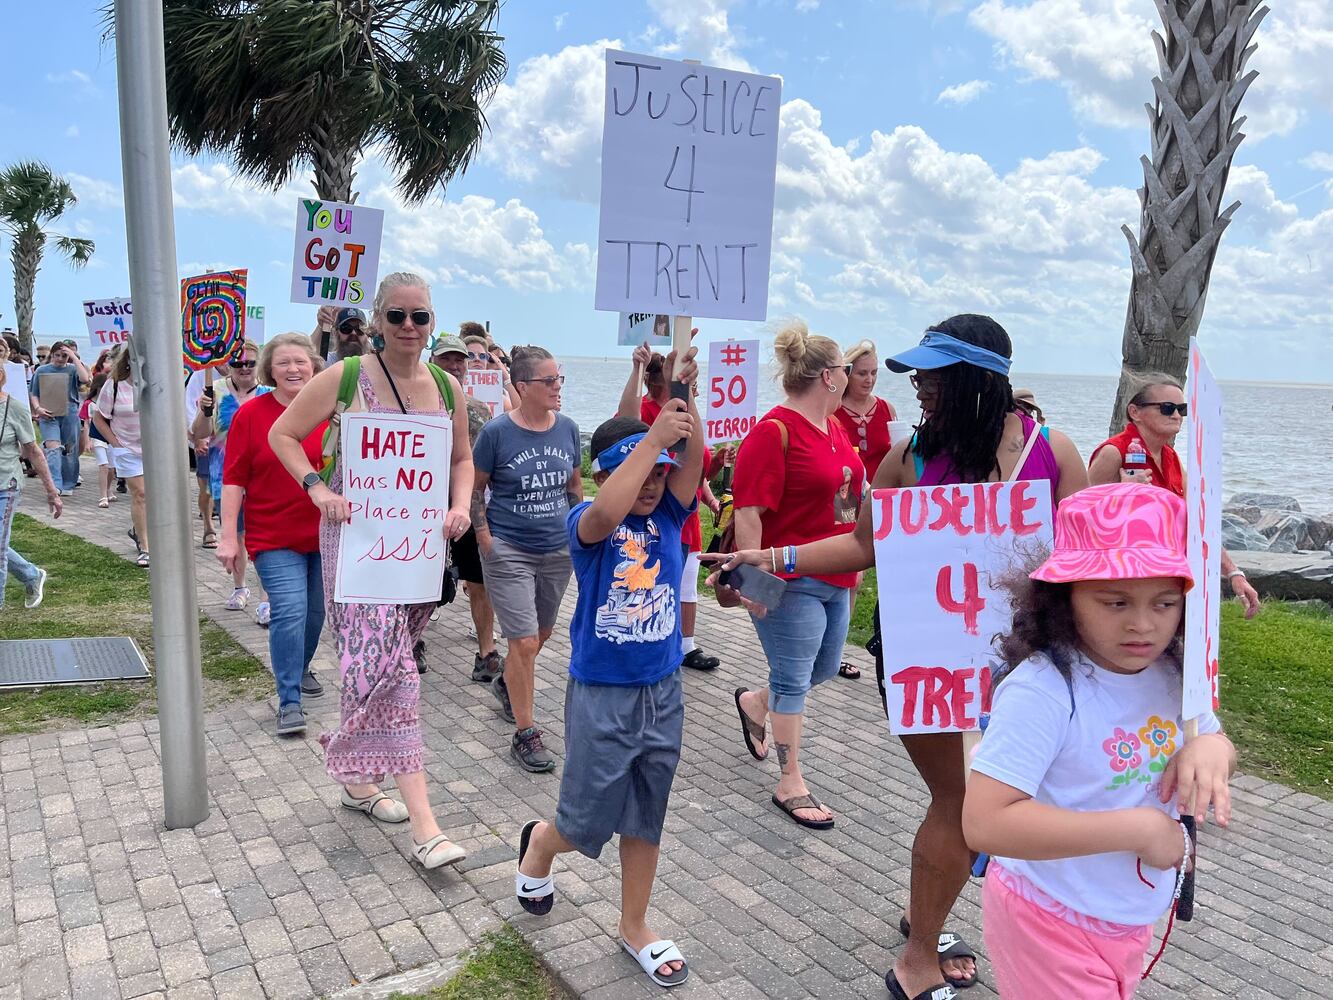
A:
(1278, 437)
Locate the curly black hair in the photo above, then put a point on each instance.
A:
(968, 420)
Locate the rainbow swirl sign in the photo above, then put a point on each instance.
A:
(212, 318)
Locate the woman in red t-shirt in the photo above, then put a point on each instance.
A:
(281, 525)
(798, 479)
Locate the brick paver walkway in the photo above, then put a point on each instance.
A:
(282, 894)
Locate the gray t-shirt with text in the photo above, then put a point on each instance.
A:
(529, 473)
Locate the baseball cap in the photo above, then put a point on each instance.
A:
(449, 345)
(349, 313)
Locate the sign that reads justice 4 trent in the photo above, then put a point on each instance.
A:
(689, 161)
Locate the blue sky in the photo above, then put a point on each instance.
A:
(935, 157)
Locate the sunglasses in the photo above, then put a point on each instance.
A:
(474, 356)
(1169, 409)
(420, 317)
(551, 381)
(846, 369)
(352, 326)
(243, 364)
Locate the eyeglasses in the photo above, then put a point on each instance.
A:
(551, 381)
(846, 369)
(1169, 409)
(474, 356)
(927, 381)
(420, 317)
(243, 364)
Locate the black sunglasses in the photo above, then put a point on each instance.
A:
(551, 381)
(1169, 409)
(351, 326)
(242, 364)
(847, 369)
(420, 317)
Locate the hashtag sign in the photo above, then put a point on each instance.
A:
(733, 354)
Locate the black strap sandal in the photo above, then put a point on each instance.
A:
(949, 946)
(941, 991)
(789, 806)
(852, 673)
(750, 729)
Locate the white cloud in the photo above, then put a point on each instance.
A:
(213, 189)
(963, 93)
(701, 30)
(1323, 162)
(560, 19)
(95, 193)
(806, 6)
(70, 76)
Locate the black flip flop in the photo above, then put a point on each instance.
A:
(850, 671)
(749, 728)
(789, 806)
(949, 946)
(941, 991)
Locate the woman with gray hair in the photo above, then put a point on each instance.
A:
(380, 732)
(531, 458)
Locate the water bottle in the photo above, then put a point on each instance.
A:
(1134, 469)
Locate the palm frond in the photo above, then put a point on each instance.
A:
(77, 251)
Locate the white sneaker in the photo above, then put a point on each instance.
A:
(35, 590)
(236, 602)
(263, 615)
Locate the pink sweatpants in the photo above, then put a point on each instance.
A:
(1036, 954)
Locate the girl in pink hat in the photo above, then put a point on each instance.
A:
(1076, 789)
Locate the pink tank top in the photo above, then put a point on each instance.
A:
(1040, 463)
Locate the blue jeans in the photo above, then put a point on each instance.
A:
(65, 430)
(296, 604)
(803, 638)
(11, 561)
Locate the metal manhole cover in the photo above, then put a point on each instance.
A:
(37, 662)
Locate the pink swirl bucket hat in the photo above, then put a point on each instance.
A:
(1119, 531)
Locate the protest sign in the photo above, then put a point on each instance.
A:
(487, 386)
(110, 322)
(940, 552)
(212, 317)
(16, 384)
(396, 481)
(653, 329)
(1203, 500)
(689, 161)
(733, 390)
(254, 323)
(337, 256)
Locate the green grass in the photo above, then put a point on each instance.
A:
(502, 967)
(1277, 693)
(93, 592)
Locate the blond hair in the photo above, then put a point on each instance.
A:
(398, 279)
(265, 369)
(858, 351)
(803, 356)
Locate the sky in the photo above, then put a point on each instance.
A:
(934, 157)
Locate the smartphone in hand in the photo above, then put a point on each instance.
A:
(754, 584)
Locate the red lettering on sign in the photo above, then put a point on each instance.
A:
(942, 695)
(1019, 504)
(972, 603)
(986, 690)
(910, 526)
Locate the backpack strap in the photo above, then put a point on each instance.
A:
(442, 383)
(346, 393)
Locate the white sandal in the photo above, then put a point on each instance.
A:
(377, 805)
(104, 502)
(430, 858)
(652, 956)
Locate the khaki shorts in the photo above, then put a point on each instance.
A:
(525, 588)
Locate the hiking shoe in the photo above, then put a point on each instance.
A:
(291, 720)
(486, 668)
(502, 696)
(35, 590)
(419, 654)
(236, 602)
(527, 748)
(697, 659)
(310, 685)
(120, 486)
(264, 615)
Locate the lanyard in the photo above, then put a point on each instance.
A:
(385, 368)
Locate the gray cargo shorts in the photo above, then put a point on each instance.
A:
(525, 588)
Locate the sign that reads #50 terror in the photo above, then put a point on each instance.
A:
(941, 552)
(337, 255)
(689, 162)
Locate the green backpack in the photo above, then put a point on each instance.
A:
(347, 392)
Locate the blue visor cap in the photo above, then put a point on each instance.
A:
(610, 460)
(938, 350)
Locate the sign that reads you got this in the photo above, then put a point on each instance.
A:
(337, 256)
(689, 161)
(941, 552)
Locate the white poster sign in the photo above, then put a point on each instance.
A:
(1203, 499)
(110, 323)
(653, 329)
(733, 390)
(337, 255)
(396, 480)
(16, 385)
(254, 323)
(940, 552)
(487, 386)
(689, 161)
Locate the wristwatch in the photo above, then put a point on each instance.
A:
(310, 480)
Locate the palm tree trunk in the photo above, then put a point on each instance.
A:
(25, 257)
(1195, 133)
(333, 166)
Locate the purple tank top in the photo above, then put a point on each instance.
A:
(1040, 463)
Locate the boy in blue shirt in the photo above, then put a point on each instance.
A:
(624, 708)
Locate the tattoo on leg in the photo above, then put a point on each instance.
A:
(782, 750)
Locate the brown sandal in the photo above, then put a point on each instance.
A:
(789, 806)
(210, 540)
(750, 729)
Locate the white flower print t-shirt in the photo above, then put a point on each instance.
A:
(1109, 754)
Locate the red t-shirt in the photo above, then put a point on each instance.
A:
(869, 436)
(1169, 475)
(692, 533)
(811, 492)
(278, 514)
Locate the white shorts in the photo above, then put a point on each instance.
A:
(128, 463)
(103, 452)
(689, 580)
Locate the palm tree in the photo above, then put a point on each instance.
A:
(1195, 132)
(282, 85)
(32, 197)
